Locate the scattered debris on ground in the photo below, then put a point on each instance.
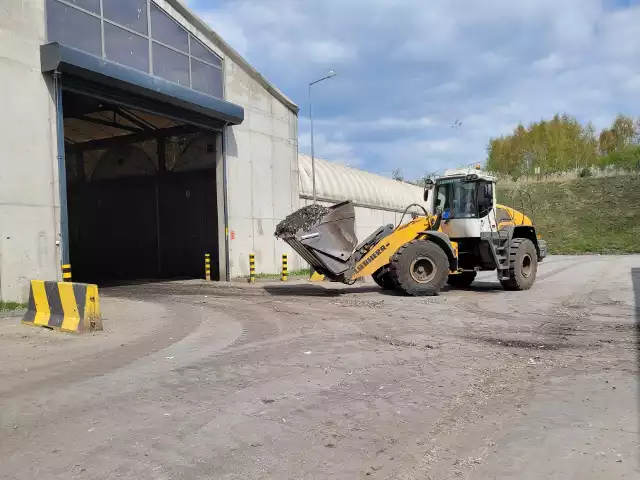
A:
(394, 342)
(360, 303)
(301, 219)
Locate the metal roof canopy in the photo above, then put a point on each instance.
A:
(89, 75)
(337, 183)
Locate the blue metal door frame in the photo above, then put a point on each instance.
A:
(62, 171)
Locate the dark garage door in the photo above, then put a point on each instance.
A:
(143, 228)
(141, 194)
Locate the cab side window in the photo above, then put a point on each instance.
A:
(485, 198)
(441, 201)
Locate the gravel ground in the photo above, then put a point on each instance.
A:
(323, 381)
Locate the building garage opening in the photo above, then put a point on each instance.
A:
(141, 193)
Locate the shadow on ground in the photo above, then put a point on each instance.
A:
(135, 282)
(321, 291)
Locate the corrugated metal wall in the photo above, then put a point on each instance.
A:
(336, 183)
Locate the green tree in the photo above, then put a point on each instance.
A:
(607, 142)
(555, 145)
(397, 175)
(624, 131)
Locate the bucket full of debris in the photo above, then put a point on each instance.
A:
(324, 236)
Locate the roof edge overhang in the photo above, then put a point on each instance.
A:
(55, 57)
(229, 51)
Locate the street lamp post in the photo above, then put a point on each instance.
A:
(313, 156)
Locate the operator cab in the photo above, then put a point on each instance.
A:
(466, 199)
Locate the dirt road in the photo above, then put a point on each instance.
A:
(196, 381)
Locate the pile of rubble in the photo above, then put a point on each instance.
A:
(301, 219)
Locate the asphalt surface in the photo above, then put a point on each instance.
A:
(322, 381)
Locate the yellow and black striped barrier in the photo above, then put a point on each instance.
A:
(63, 306)
(207, 267)
(285, 268)
(66, 273)
(252, 268)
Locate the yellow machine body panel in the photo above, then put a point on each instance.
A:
(380, 255)
(507, 216)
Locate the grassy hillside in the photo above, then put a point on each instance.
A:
(585, 215)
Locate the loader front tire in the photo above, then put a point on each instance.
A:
(419, 268)
(461, 280)
(523, 265)
(383, 279)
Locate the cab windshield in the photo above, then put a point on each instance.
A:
(461, 198)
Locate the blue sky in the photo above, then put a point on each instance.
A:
(408, 70)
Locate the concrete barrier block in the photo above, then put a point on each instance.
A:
(64, 306)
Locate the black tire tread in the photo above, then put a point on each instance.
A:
(395, 271)
(383, 279)
(512, 283)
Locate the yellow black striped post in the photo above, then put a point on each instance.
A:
(66, 273)
(252, 268)
(285, 268)
(207, 267)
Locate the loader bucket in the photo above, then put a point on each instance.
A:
(325, 241)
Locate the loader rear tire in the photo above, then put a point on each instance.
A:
(383, 279)
(461, 280)
(523, 265)
(419, 268)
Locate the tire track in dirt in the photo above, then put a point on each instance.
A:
(70, 367)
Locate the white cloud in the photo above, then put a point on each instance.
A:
(633, 84)
(551, 63)
(335, 151)
(407, 70)
(344, 125)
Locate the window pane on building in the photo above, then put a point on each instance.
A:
(170, 65)
(206, 78)
(167, 31)
(91, 5)
(198, 50)
(69, 26)
(126, 48)
(129, 13)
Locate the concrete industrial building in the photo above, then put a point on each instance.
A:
(135, 140)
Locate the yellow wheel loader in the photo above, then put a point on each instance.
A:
(466, 233)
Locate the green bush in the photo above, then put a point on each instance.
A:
(585, 215)
(628, 159)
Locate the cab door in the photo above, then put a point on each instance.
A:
(486, 201)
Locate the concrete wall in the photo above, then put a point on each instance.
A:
(29, 198)
(262, 173)
(262, 162)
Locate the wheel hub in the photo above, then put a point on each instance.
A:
(423, 270)
(527, 265)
